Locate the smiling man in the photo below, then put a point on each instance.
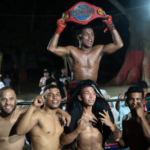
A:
(44, 125)
(136, 125)
(9, 117)
(85, 59)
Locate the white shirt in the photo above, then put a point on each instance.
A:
(43, 80)
(1, 84)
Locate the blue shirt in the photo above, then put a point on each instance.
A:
(122, 112)
(147, 106)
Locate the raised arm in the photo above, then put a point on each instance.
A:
(112, 47)
(30, 119)
(52, 46)
(118, 102)
(69, 138)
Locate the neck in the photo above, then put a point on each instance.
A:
(86, 49)
(6, 116)
(50, 111)
(87, 110)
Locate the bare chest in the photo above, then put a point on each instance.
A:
(48, 126)
(92, 131)
(8, 133)
(85, 60)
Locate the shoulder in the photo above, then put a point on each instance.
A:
(98, 47)
(70, 47)
(42, 78)
(20, 111)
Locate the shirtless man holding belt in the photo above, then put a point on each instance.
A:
(84, 61)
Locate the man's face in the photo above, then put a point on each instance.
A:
(46, 74)
(8, 102)
(133, 99)
(53, 98)
(145, 91)
(88, 96)
(87, 37)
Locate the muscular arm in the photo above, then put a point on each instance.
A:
(57, 50)
(113, 47)
(27, 121)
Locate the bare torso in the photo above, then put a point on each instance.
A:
(84, 65)
(134, 133)
(91, 137)
(46, 134)
(9, 140)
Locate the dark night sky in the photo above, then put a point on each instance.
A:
(27, 26)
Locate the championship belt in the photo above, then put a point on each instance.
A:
(83, 13)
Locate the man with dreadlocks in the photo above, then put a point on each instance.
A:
(84, 60)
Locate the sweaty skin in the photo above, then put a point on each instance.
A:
(84, 62)
(91, 138)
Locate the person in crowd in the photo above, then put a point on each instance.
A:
(52, 81)
(148, 102)
(7, 80)
(64, 78)
(9, 117)
(123, 109)
(144, 86)
(15, 75)
(1, 83)
(90, 137)
(42, 83)
(45, 127)
(136, 124)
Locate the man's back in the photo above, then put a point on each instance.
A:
(9, 140)
(46, 134)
